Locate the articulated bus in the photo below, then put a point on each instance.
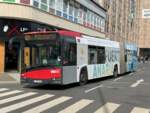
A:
(65, 57)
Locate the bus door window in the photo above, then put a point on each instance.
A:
(69, 53)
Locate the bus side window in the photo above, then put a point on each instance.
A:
(92, 57)
(101, 55)
(125, 58)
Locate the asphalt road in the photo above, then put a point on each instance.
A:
(126, 94)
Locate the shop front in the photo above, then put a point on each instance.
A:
(10, 47)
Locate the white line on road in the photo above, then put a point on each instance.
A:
(140, 110)
(117, 79)
(131, 74)
(24, 103)
(107, 108)
(3, 89)
(77, 106)
(10, 93)
(48, 105)
(138, 82)
(16, 97)
(89, 90)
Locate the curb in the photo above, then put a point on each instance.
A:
(9, 82)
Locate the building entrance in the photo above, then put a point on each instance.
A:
(12, 57)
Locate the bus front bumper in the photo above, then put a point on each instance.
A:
(39, 81)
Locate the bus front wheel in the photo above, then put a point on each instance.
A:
(83, 78)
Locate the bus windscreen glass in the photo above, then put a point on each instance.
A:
(42, 51)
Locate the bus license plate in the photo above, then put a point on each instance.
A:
(37, 81)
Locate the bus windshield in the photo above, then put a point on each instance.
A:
(42, 51)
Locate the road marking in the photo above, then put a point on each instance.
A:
(117, 79)
(3, 89)
(77, 106)
(9, 93)
(48, 105)
(89, 90)
(122, 82)
(24, 103)
(138, 82)
(131, 74)
(140, 110)
(107, 108)
(16, 97)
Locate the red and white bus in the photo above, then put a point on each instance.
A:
(65, 57)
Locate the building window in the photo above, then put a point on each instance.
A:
(52, 6)
(65, 8)
(95, 20)
(71, 11)
(85, 16)
(92, 20)
(25, 2)
(59, 7)
(10, 1)
(44, 5)
(80, 16)
(99, 24)
(36, 3)
(75, 14)
(103, 25)
(88, 18)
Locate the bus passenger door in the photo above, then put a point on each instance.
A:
(82, 58)
(69, 61)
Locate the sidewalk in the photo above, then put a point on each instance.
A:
(7, 78)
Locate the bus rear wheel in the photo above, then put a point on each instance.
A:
(83, 78)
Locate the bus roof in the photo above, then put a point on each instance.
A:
(60, 32)
(99, 42)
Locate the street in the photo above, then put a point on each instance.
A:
(126, 94)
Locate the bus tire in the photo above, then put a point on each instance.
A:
(115, 72)
(83, 78)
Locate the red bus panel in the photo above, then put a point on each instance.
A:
(43, 74)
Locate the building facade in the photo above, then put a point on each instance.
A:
(19, 16)
(121, 20)
(143, 14)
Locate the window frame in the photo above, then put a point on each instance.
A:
(71, 42)
(97, 59)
